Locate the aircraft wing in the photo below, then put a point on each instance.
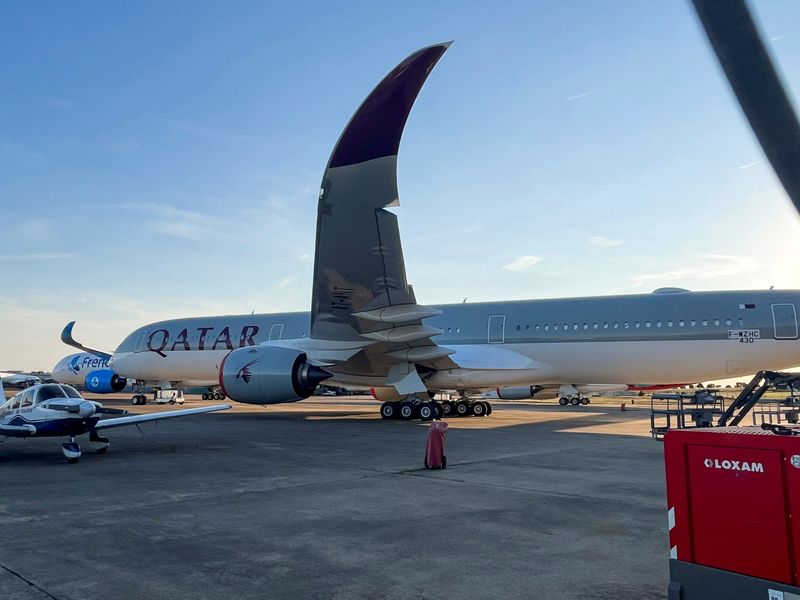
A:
(136, 419)
(66, 337)
(17, 430)
(360, 292)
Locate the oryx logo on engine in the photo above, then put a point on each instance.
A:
(244, 373)
(734, 465)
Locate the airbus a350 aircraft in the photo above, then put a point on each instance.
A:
(365, 327)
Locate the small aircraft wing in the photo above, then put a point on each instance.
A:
(136, 419)
(66, 337)
(17, 430)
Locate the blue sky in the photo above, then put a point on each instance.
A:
(160, 159)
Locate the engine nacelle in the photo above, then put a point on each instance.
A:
(526, 393)
(269, 375)
(104, 381)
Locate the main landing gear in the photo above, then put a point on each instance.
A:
(573, 400)
(72, 451)
(211, 395)
(407, 410)
(138, 399)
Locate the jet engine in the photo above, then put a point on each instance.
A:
(104, 381)
(269, 375)
(526, 393)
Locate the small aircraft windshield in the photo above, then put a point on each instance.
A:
(70, 391)
(48, 391)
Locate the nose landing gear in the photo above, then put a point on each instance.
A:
(71, 450)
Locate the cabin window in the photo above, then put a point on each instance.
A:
(636, 325)
(693, 322)
(680, 323)
(658, 323)
(616, 325)
(537, 327)
(728, 322)
(605, 325)
(647, 324)
(741, 322)
(566, 326)
(458, 329)
(595, 326)
(546, 327)
(625, 325)
(527, 327)
(585, 326)
(669, 323)
(705, 322)
(519, 328)
(716, 322)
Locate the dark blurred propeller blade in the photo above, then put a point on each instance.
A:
(747, 65)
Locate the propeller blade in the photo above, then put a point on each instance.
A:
(758, 88)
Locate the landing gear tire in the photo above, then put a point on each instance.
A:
(389, 410)
(447, 408)
(575, 401)
(204, 396)
(71, 450)
(427, 412)
(406, 411)
(216, 396)
(462, 408)
(584, 401)
(488, 408)
(479, 409)
(563, 401)
(438, 411)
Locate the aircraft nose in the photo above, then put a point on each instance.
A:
(86, 409)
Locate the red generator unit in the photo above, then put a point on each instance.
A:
(733, 509)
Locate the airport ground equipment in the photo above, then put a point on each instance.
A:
(733, 509)
(684, 410)
(58, 410)
(435, 457)
(753, 392)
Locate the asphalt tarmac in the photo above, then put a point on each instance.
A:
(321, 499)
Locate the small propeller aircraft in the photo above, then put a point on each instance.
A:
(57, 410)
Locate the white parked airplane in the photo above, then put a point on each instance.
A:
(366, 329)
(19, 380)
(57, 410)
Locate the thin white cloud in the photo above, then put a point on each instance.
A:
(38, 256)
(709, 266)
(176, 222)
(285, 281)
(599, 240)
(579, 96)
(776, 38)
(523, 263)
(748, 165)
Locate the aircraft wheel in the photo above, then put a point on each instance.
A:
(563, 401)
(204, 396)
(142, 399)
(478, 409)
(488, 408)
(135, 400)
(438, 410)
(406, 411)
(72, 461)
(584, 401)
(462, 408)
(575, 401)
(426, 411)
(389, 410)
(447, 408)
(172, 400)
